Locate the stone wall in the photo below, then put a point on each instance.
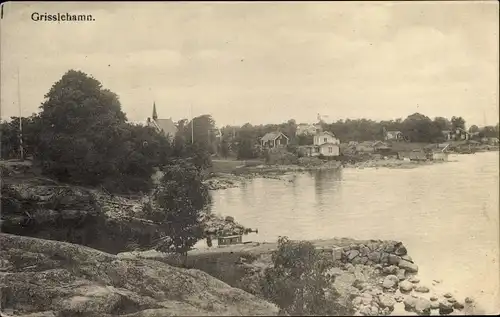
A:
(380, 253)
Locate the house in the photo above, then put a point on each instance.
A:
(165, 126)
(415, 155)
(324, 143)
(228, 240)
(380, 147)
(365, 147)
(274, 139)
(458, 134)
(307, 129)
(393, 136)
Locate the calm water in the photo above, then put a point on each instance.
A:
(446, 214)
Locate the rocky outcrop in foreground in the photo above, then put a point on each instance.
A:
(53, 278)
(376, 278)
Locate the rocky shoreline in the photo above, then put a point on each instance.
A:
(378, 278)
(46, 278)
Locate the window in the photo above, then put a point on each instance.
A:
(330, 149)
(325, 140)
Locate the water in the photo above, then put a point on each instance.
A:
(446, 214)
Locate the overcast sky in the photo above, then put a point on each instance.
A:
(263, 62)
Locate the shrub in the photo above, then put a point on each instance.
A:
(299, 282)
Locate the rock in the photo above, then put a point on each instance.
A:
(229, 219)
(408, 266)
(452, 300)
(349, 268)
(469, 300)
(73, 280)
(458, 305)
(394, 259)
(352, 255)
(422, 289)
(422, 306)
(390, 281)
(401, 250)
(434, 298)
(399, 298)
(356, 302)
(410, 303)
(365, 311)
(374, 256)
(386, 301)
(390, 269)
(384, 258)
(405, 286)
(434, 305)
(448, 295)
(407, 258)
(358, 284)
(401, 274)
(445, 308)
(414, 280)
(364, 250)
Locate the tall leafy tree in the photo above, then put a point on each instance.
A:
(85, 138)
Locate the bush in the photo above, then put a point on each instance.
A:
(299, 282)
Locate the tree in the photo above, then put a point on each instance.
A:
(85, 138)
(473, 129)
(442, 124)
(299, 282)
(10, 136)
(181, 197)
(420, 128)
(457, 123)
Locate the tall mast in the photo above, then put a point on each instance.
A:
(21, 150)
(192, 125)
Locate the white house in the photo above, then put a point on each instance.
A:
(327, 144)
(324, 143)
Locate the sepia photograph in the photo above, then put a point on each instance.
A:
(249, 158)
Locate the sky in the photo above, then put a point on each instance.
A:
(262, 62)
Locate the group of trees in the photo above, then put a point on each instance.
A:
(81, 136)
(243, 142)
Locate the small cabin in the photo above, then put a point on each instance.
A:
(230, 240)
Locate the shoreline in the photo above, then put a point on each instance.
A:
(378, 277)
(233, 179)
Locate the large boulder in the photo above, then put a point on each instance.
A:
(62, 279)
(408, 266)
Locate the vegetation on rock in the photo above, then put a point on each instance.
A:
(299, 282)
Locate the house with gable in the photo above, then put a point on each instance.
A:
(274, 140)
(165, 126)
(324, 143)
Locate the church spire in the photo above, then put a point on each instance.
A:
(155, 115)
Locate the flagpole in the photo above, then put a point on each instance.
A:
(20, 117)
(192, 125)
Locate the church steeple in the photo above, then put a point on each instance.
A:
(155, 115)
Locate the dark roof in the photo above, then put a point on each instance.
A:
(272, 136)
(165, 125)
